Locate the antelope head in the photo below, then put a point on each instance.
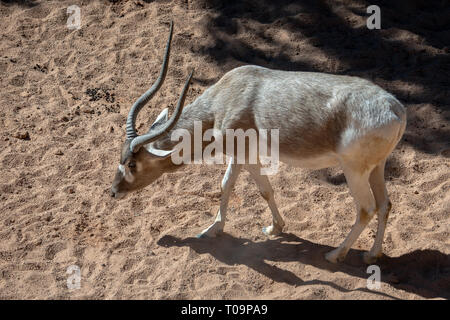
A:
(141, 162)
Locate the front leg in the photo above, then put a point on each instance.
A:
(227, 186)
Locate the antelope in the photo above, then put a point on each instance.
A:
(324, 120)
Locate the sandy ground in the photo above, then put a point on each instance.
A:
(64, 98)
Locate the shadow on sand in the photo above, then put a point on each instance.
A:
(422, 272)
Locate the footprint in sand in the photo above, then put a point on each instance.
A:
(53, 249)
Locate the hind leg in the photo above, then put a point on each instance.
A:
(266, 191)
(358, 184)
(383, 205)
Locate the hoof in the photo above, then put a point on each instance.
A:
(210, 232)
(271, 231)
(201, 236)
(206, 235)
(370, 259)
(334, 256)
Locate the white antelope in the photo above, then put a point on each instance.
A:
(324, 120)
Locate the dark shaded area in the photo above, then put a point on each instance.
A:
(393, 170)
(336, 179)
(25, 3)
(430, 19)
(423, 272)
(137, 3)
(383, 56)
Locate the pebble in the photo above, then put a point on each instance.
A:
(24, 135)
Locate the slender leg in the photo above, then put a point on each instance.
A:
(383, 205)
(227, 186)
(266, 191)
(365, 206)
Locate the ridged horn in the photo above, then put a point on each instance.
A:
(137, 106)
(167, 126)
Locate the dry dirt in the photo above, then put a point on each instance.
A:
(64, 98)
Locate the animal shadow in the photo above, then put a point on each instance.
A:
(422, 272)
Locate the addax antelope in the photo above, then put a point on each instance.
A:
(323, 120)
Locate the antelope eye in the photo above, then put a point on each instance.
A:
(132, 165)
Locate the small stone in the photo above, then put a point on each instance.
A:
(23, 135)
(86, 109)
(59, 153)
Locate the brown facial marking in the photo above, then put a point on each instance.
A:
(145, 168)
(126, 152)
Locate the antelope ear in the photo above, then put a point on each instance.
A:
(159, 153)
(163, 117)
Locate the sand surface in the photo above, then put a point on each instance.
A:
(64, 98)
